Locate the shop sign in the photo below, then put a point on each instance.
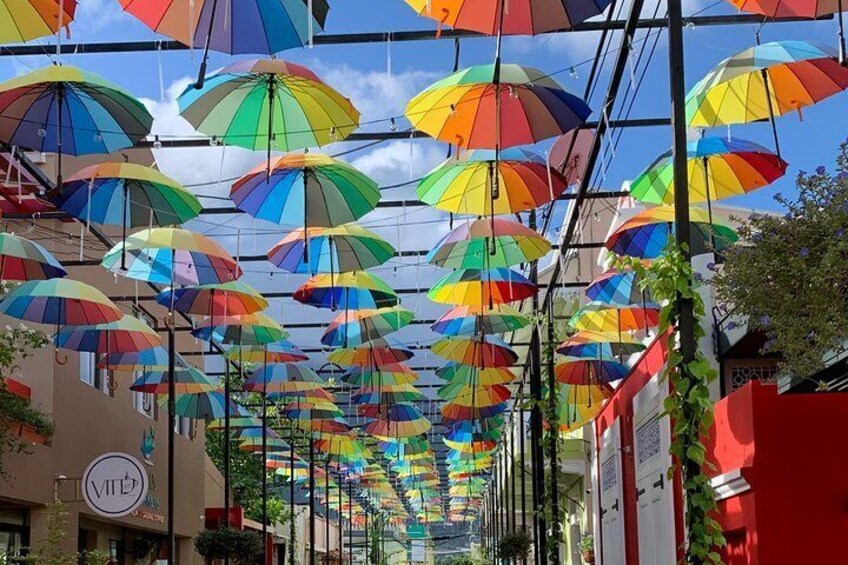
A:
(114, 485)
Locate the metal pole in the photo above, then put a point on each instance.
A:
(201, 75)
(226, 447)
(265, 461)
(172, 410)
(553, 426)
(350, 521)
(311, 501)
(523, 468)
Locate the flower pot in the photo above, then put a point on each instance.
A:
(589, 557)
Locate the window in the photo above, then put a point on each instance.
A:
(145, 403)
(182, 426)
(92, 375)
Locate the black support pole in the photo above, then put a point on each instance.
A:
(553, 426)
(172, 419)
(311, 501)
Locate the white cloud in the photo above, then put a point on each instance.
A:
(398, 161)
(96, 15)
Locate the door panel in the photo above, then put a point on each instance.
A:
(611, 499)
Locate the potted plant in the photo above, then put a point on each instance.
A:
(241, 546)
(514, 545)
(587, 548)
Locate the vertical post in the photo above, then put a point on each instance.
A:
(226, 446)
(311, 501)
(553, 426)
(512, 475)
(292, 528)
(350, 521)
(172, 410)
(265, 459)
(523, 467)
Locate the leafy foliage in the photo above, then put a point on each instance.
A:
(514, 545)
(242, 546)
(789, 277)
(670, 280)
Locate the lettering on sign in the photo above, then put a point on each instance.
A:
(114, 485)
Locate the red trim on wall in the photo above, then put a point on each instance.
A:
(18, 388)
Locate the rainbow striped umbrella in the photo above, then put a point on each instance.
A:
(241, 418)
(471, 447)
(398, 421)
(467, 374)
(599, 345)
(268, 104)
(308, 189)
(378, 353)
(479, 287)
(255, 443)
(283, 378)
(470, 245)
(718, 168)
(646, 234)
(232, 298)
(316, 394)
(408, 446)
(187, 380)
(385, 395)
(361, 326)
(484, 429)
(486, 351)
(526, 104)
(247, 329)
(347, 291)
(480, 395)
(578, 404)
(59, 302)
(278, 352)
(330, 250)
(127, 334)
(153, 359)
(590, 371)
(600, 317)
(619, 288)
(386, 375)
(453, 413)
(25, 260)
(27, 20)
(476, 320)
(252, 27)
(521, 17)
(172, 256)
(202, 406)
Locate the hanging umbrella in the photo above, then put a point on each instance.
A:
(25, 260)
(278, 352)
(361, 326)
(453, 413)
(127, 334)
(600, 317)
(496, 106)
(488, 428)
(646, 234)
(331, 250)
(31, 19)
(385, 396)
(599, 345)
(347, 291)
(476, 320)
(247, 329)
(64, 110)
(718, 168)
(467, 374)
(479, 287)
(520, 17)
(268, 104)
(578, 404)
(471, 447)
(203, 405)
(232, 298)
(619, 288)
(153, 359)
(282, 378)
(187, 380)
(465, 184)
(486, 351)
(378, 353)
(172, 256)
(469, 246)
(398, 420)
(590, 371)
(59, 302)
(479, 395)
(386, 375)
(408, 446)
(308, 189)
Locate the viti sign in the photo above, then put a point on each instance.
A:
(114, 485)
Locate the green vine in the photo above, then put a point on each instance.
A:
(670, 280)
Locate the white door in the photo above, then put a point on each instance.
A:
(655, 500)
(612, 500)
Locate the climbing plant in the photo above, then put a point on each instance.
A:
(670, 280)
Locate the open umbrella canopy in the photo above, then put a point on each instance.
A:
(171, 255)
(201, 406)
(153, 359)
(268, 104)
(375, 354)
(308, 189)
(127, 334)
(718, 168)
(490, 351)
(453, 413)
(470, 447)
(356, 328)
(528, 105)
(590, 371)
(338, 250)
(777, 9)
(479, 395)
(59, 302)
(764, 81)
(645, 234)
(187, 380)
(232, 298)
(467, 431)
(619, 288)
(398, 421)
(347, 291)
(599, 345)
(282, 378)
(470, 245)
(25, 260)
(386, 375)
(247, 329)
(464, 184)
(30, 19)
(386, 395)
(600, 317)
(408, 446)
(481, 287)
(278, 352)
(253, 27)
(467, 374)
(578, 404)
(126, 194)
(94, 115)
(477, 320)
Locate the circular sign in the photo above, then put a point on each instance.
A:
(114, 485)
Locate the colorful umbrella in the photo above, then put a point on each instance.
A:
(153, 359)
(471, 447)
(480, 429)
(600, 317)
(347, 291)
(386, 375)
(398, 421)
(233, 298)
(476, 320)
(202, 406)
(31, 19)
(254, 27)
(282, 378)
(187, 380)
(467, 374)
(453, 413)
(580, 403)
(470, 245)
(718, 168)
(378, 353)
(25, 260)
(361, 326)
(385, 395)
(172, 256)
(599, 345)
(646, 234)
(127, 334)
(277, 352)
(488, 351)
(337, 250)
(247, 329)
(59, 302)
(619, 288)
(590, 371)
(496, 106)
(520, 17)
(465, 185)
(479, 287)
(268, 104)
(64, 110)
(308, 189)
(465, 395)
